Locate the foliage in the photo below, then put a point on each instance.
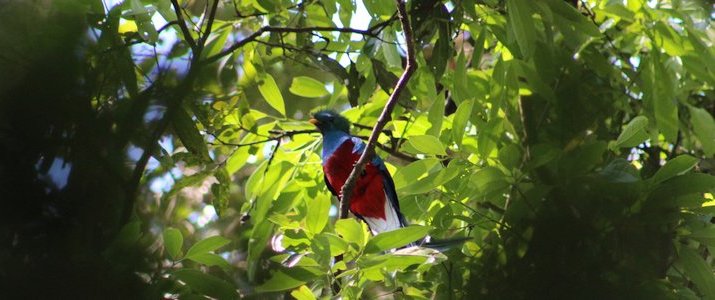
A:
(571, 142)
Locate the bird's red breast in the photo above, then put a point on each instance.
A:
(368, 199)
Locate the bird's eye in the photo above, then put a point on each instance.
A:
(330, 118)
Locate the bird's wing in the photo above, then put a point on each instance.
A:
(391, 194)
(393, 217)
(330, 187)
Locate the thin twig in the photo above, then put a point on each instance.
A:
(279, 136)
(347, 190)
(182, 24)
(209, 24)
(265, 29)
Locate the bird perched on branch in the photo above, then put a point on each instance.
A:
(374, 199)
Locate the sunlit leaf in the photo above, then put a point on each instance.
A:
(522, 25)
(425, 144)
(173, 240)
(675, 167)
(305, 86)
(396, 238)
(461, 116)
(270, 92)
(206, 284)
(317, 216)
(210, 260)
(206, 245)
(303, 293)
(351, 231)
(634, 133)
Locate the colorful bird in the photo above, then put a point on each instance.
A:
(374, 199)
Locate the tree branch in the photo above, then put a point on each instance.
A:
(209, 24)
(370, 32)
(347, 190)
(173, 104)
(182, 24)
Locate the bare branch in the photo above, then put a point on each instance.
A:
(370, 32)
(209, 25)
(279, 136)
(182, 24)
(347, 190)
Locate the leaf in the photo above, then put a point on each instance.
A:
(396, 238)
(211, 260)
(410, 173)
(307, 87)
(704, 129)
(303, 293)
(683, 185)
(434, 179)
(206, 284)
(317, 216)
(270, 92)
(289, 278)
(426, 144)
(206, 245)
(705, 235)
(189, 135)
(441, 54)
(633, 134)
(215, 43)
(699, 271)
(488, 180)
(351, 231)
(461, 116)
(674, 167)
(522, 25)
(173, 240)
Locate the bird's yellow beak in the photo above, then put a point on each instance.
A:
(314, 121)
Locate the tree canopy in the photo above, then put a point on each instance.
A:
(161, 149)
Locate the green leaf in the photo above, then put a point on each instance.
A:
(317, 216)
(396, 238)
(461, 116)
(434, 179)
(436, 115)
(704, 129)
(633, 134)
(699, 271)
(488, 180)
(206, 245)
(407, 175)
(211, 260)
(307, 87)
(270, 92)
(303, 293)
(522, 25)
(675, 167)
(705, 235)
(206, 284)
(460, 91)
(351, 231)
(189, 135)
(426, 144)
(683, 185)
(173, 240)
(215, 43)
(441, 53)
(289, 278)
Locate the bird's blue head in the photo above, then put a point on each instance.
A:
(329, 120)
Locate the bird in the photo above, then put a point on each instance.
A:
(374, 199)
